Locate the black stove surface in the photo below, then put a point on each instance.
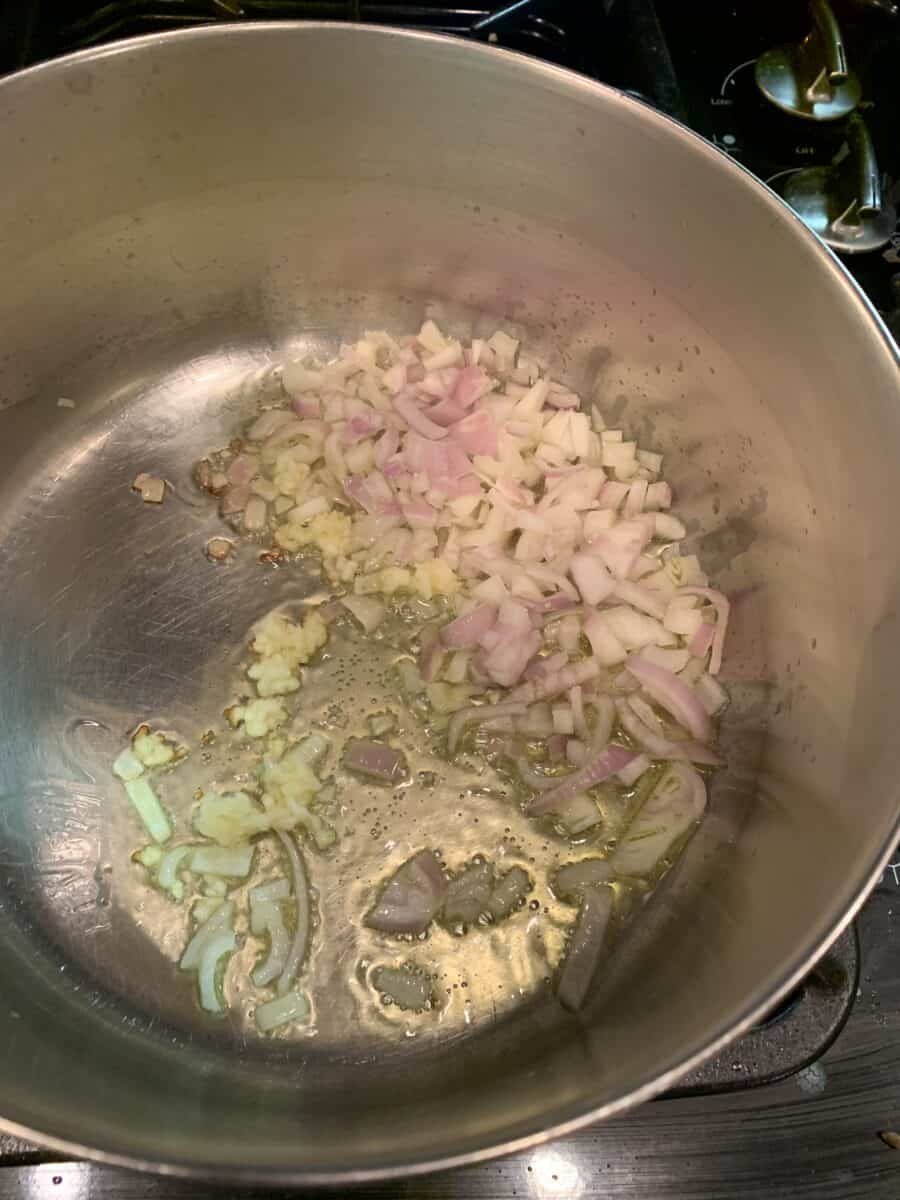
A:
(714, 55)
(696, 63)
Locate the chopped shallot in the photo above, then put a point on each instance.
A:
(375, 760)
(411, 897)
(152, 490)
(673, 694)
(407, 987)
(674, 805)
(526, 549)
(370, 613)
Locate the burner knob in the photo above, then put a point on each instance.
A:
(811, 80)
(844, 203)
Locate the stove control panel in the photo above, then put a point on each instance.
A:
(808, 99)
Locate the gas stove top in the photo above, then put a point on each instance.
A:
(807, 97)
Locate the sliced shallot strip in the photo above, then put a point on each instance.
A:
(300, 940)
(723, 611)
(673, 694)
(477, 713)
(554, 683)
(585, 947)
(612, 760)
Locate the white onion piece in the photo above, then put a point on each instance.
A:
(224, 944)
(660, 747)
(537, 721)
(221, 921)
(149, 809)
(684, 621)
(620, 546)
(235, 862)
(476, 433)
(576, 703)
(562, 400)
(307, 406)
(711, 694)
(467, 631)
(632, 772)
(596, 522)
(668, 527)
(271, 1015)
(673, 694)
(543, 668)
(672, 660)
(302, 917)
(644, 712)
(659, 495)
(266, 919)
(612, 495)
(646, 565)
(431, 655)
(472, 384)
(394, 379)
(457, 669)
(255, 514)
(641, 598)
(416, 418)
(370, 613)
(533, 778)
(676, 803)
(649, 739)
(592, 578)
(607, 648)
(701, 643)
(267, 423)
(570, 881)
(635, 629)
(556, 747)
(507, 660)
(580, 815)
(475, 714)
(167, 873)
(635, 500)
(556, 682)
(604, 720)
(723, 611)
(568, 634)
(266, 893)
(576, 752)
(585, 947)
(562, 719)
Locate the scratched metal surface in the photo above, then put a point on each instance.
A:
(812, 1137)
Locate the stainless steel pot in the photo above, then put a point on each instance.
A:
(176, 210)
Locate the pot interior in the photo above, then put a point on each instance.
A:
(184, 211)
